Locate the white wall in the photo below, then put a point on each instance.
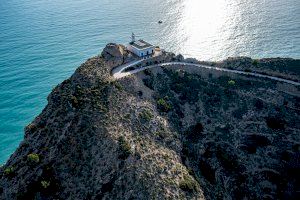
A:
(140, 53)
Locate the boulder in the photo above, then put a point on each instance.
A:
(114, 54)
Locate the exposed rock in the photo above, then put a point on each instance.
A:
(115, 54)
(168, 133)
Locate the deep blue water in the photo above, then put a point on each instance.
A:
(42, 41)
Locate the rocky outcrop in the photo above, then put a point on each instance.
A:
(165, 133)
(115, 54)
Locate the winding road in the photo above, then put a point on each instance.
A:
(118, 72)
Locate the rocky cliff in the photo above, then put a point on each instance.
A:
(165, 133)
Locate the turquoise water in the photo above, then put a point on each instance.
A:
(42, 41)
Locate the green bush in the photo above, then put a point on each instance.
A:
(118, 86)
(74, 101)
(147, 72)
(146, 115)
(45, 184)
(9, 171)
(231, 82)
(124, 148)
(275, 123)
(188, 184)
(161, 134)
(194, 133)
(163, 105)
(33, 157)
(255, 62)
(148, 82)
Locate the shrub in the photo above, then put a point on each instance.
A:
(255, 62)
(275, 123)
(207, 171)
(148, 83)
(163, 105)
(256, 140)
(227, 158)
(259, 104)
(146, 115)
(9, 171)
(74, 101)
(33, 157)
(188, 184)
(118, 86)
(45, 184)
(147, 72)
(129, 69)
(194, 133)
(231, 82)
(161, 134)
(140, 93)
(31, 128)
(124, 148)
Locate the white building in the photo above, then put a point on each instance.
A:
(140, 47)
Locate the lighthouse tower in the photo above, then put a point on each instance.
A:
(132, 38)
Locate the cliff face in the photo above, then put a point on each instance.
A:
(166, 133)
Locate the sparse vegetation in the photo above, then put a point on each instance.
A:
(227, 147)
(33, 157)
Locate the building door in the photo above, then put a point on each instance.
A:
(147, 53)
(142, 54)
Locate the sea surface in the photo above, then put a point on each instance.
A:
(42, 41)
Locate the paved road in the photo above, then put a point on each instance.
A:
(118, 71)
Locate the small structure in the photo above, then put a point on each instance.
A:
(140, 47)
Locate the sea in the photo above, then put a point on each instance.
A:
(42, 42)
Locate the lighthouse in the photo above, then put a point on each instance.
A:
(140, 48)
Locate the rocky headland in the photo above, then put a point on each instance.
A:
(163, 133)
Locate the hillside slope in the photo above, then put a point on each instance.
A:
(166, 133)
